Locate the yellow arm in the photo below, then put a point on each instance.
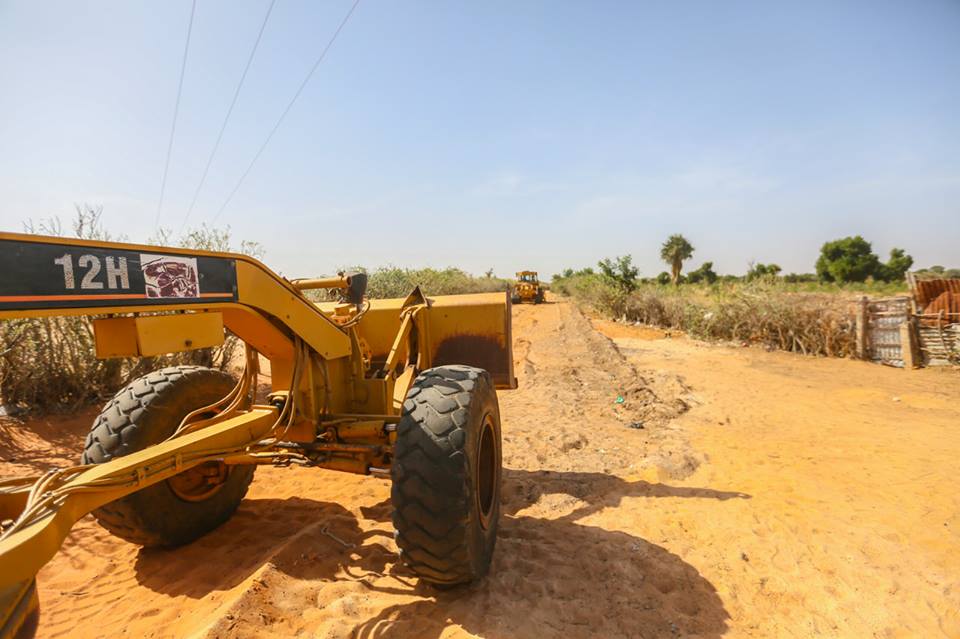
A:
(46, 276)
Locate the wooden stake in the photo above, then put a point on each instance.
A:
(908, 345)
(863, 325)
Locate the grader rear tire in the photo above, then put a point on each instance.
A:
(146, 412)
(446, 475)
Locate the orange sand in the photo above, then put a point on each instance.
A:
(796, 497)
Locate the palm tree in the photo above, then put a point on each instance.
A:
(674, 251)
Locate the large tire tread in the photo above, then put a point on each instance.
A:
(117, 432)
(431, 493)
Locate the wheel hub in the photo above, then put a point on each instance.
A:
(487, 471)
(200, 482)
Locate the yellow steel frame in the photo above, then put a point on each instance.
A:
(23, 550)
(339, 376)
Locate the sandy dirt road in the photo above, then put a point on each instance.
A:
(853, 525)
(731, 492)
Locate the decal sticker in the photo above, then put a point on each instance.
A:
(167, 276)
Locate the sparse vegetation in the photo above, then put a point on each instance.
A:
(762, 271)
(796, 312)
(760, 312)
(391, 281)
(620, 272)
(938, 271)
(702, 275)
(674, 252)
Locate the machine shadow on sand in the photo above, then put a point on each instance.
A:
(591, 581)
(594, 490)
(261, 531)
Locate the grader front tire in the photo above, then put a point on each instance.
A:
(446, 475)
(146, 412)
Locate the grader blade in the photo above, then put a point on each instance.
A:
(459, 329)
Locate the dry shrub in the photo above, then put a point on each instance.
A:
(807, 323)
(761, 312)
(391, 281)
(595, 291)
(50, 364)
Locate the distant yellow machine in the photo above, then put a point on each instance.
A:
(399, 389)
(528, 288)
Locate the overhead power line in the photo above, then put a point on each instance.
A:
(226, 119)
(283, 115)
(176, 111)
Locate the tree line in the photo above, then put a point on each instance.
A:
(845, 260)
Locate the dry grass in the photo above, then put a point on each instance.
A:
(398, 282)
(49, 363)
(390, 282)
(762, 312)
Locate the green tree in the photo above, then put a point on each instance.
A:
(703, 274)
(850, 259)
(674, 251)
(620, 271)
(895, 270)
(938, 271)
(663, 278)
(569, 272)
(758, 270)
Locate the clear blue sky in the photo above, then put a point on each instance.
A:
(498, 134)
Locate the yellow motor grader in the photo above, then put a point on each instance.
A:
(527, 288)
(400, 389)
